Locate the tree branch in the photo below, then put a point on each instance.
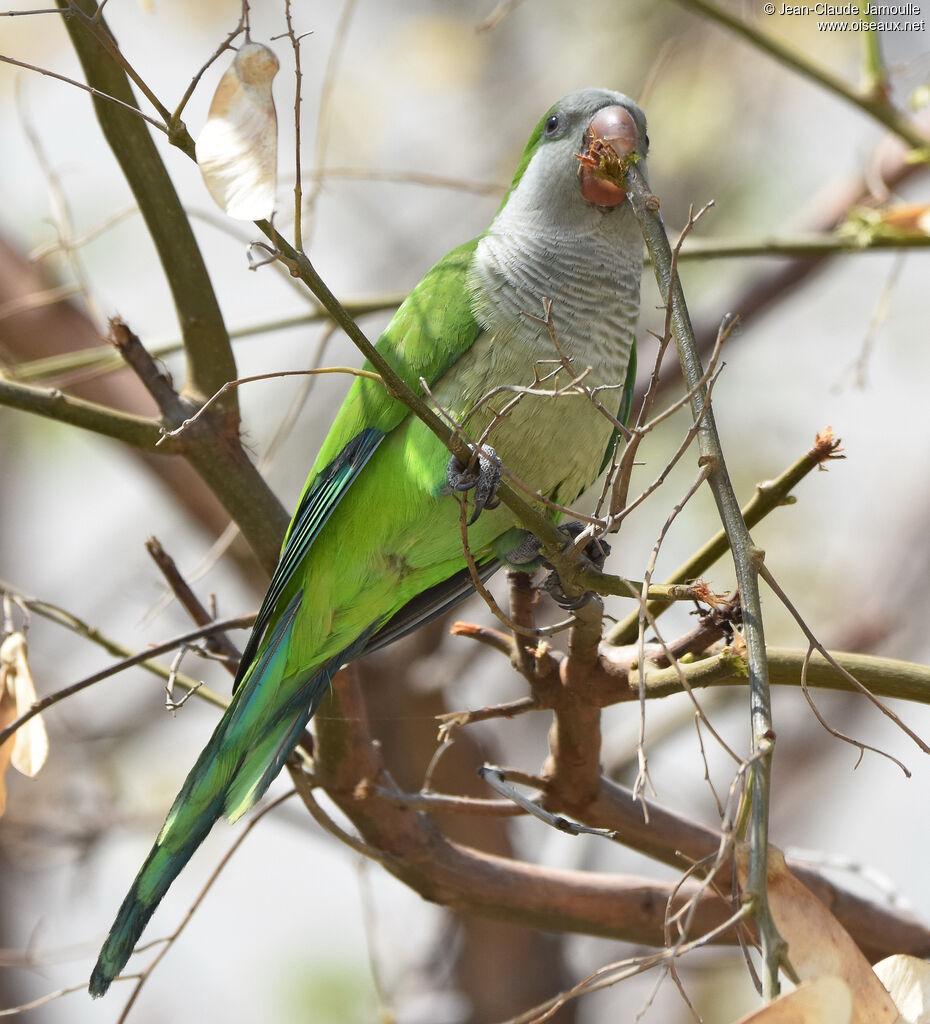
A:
(136, 431)
(413, 850)
(210, 361)
(803, 246)
(876, 106)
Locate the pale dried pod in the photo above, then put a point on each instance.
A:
(238, 148)
(908, 982)
(27, 749)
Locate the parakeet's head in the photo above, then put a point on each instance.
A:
(551, 184)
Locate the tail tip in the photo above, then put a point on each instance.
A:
(99, 981)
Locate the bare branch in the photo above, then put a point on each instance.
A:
(875, 106)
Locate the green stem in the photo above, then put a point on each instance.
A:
(745, 559)
(875, 73)
(105, 360)
(136, 431)
(803, 246)
(883, 677)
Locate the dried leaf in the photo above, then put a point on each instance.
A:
(28, 748)
(818, 945)
(823, 1001)
(908, 982)
(238, 148)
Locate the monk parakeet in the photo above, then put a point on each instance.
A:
(375, 547)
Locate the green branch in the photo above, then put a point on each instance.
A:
(883, 677)
(745, 561)
(803, 246)
(136, 431)
(875, 105)
(106, 360)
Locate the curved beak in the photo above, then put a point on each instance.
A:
(611, 127)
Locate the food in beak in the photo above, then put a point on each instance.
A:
(610, 136)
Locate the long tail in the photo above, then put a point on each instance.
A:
(246, 752)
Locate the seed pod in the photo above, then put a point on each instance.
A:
(238, 148)
(28, 748)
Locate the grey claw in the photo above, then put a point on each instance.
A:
(596, 551)
(485, 481)
(526, 552)
(553, 587)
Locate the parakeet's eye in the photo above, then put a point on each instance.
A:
(553, 124)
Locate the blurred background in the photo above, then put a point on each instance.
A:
(397, 95)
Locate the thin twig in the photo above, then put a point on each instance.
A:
(96, 93)
(218, 643)
(229, 385)
(496, 778)
(240, 622)
(767, 497)
(440, 803)
(642, 776)
(816, 645)
(835, 733)
(298, 82)
(226, 44)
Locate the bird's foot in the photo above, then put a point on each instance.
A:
(595, 551)
(485, 480)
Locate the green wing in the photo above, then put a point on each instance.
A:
(427, 334)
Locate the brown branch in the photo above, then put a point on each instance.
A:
(573, 768)
(679, 842)
(412, 848)
(155, 380)
(523, 599)
(217, 643)
(455, 876)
